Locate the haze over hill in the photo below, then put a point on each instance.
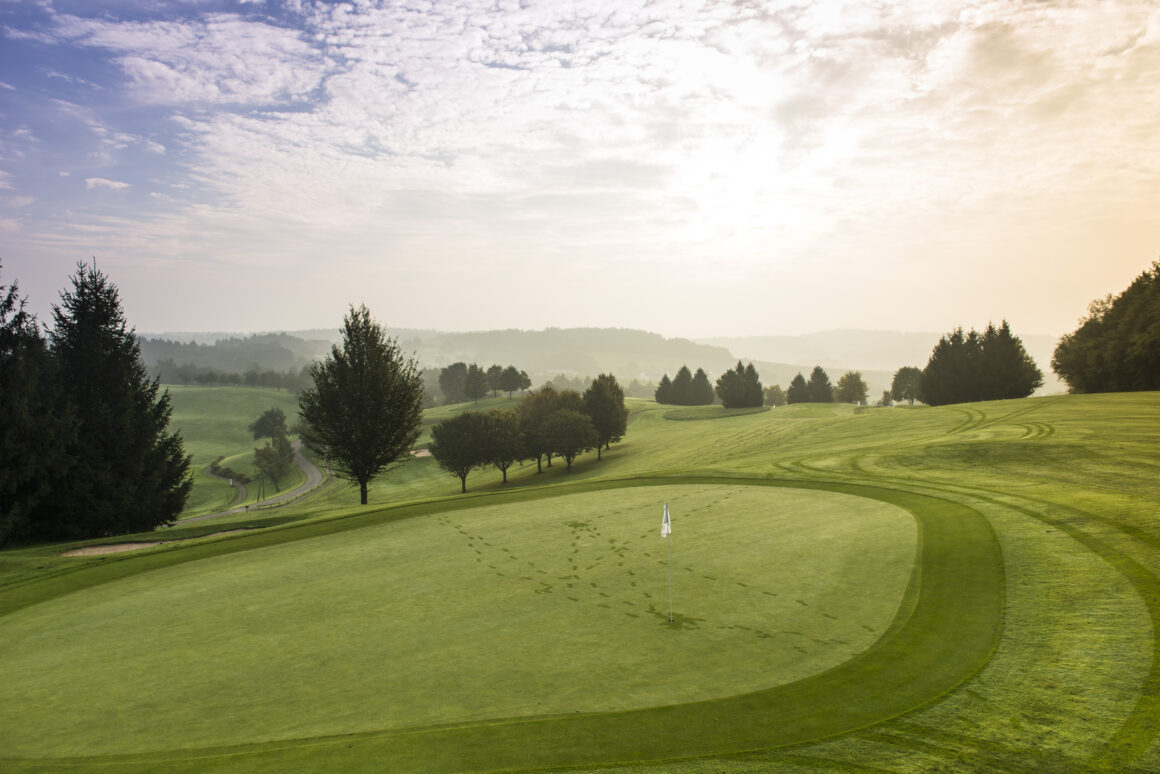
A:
(629, 354)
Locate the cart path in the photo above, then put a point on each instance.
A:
(314, 478)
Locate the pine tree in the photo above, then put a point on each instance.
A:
(37, 424)
(664, 391)
(799, 391)
(682, 390)
(129, 473)
(820, 389)
(702, 389)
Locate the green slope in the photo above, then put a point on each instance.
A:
(1025, 643)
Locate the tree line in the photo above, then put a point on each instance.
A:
(170, 372)
(738, 387)
(85, 448)
(461, 382)
(544, 424)
(1116, 347)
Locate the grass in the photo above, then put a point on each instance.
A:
(1023, 640)
(213, 422)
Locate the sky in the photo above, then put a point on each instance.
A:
(690, 168)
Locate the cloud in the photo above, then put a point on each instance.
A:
(100, 182)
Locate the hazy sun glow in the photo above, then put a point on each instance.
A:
(691, 168)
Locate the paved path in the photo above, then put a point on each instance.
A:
(314, 478)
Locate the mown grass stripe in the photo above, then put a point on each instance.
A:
(945, 633)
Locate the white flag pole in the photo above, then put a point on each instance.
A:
(666, 532)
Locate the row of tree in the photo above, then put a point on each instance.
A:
(851, 388)
(462, 382)
(973, 366)
(85, 448)
(544, 424)
(738, 387)
(685, 389)
(1117, 345)
(168, 372)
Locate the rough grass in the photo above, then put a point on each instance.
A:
(1066, 488)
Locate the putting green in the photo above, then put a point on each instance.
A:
(545, 607)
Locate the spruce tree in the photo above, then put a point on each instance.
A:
(36, 422)
(682, 390)
(129, 474)
(799, 391)
(820, 389)
(702, 389)
(664, 391)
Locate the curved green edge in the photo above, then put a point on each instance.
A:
(946, 630)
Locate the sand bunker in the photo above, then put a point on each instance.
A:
(420, 453)
(116, 548)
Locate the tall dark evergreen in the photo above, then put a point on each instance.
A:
(701, 393)
(604, 403)
(683, 387)
(965, 367)
(37, 424)
(820, 389)
(664, 391)
(740, 387)
(1116, 347)
(799, 391)
(366, 406)
(129, 473)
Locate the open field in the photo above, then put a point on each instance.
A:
(970, 588)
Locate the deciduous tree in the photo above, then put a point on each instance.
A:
(774, 396)
(851, 388)
(505, 445)
(475, 383)
(907, 384)
(451, 381)
(272, 422)
(569, 434)
(460, 444)
(604, 403)
(365, 409)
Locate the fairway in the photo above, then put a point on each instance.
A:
(554, 606)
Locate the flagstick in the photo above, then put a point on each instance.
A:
(669, 549)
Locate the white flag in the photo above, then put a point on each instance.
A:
(666, 527)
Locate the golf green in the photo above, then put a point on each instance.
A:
(544, 607)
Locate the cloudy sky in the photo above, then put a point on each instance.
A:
(691, 168)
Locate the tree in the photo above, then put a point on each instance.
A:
(272, 422)
(365, 409)
(664, 391)
(275, 459)
(774, 396)
(513, 379)
(533, 411)
(973, 366)
(820, 389)
(475, 383)
(570, 433)
(701, 392)
(740, 387)
(851, 388)
(451, 382)
(604, 403)
(494, 374)
(505, 445)
(460, 444)
(1117, 345)
(907, 384)
(129, 473)
(799, 391)
(682, 390)
(37, 425)
(885, 400)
